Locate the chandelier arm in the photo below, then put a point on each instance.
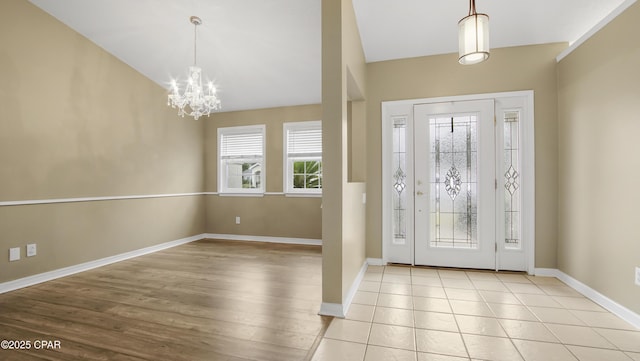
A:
(472, 7)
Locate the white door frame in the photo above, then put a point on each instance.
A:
(400, 108)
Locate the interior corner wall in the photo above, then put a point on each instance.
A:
(77, 122)
(333, 117)
(274, 215)
(599, 160)
(508, 69)
(357, 141)
(354, 83)
(343, 213)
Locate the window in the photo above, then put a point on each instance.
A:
(303, 157)
(241, 159)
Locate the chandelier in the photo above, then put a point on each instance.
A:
(473, 37)
(195, 101)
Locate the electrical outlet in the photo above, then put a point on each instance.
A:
(31, 250)
(237, 220)
(14, 254)
(637, 276)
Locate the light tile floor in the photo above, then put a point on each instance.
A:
(420, 314)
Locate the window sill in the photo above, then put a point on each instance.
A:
(260, 195)
(303, 195)
(231, 194)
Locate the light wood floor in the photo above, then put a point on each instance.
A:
(207, 300)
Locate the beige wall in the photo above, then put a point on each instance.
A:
(68, 234)
(599, 93)
(354, 83)
(77, 122)
(343, 79)
(508, 69)
(333, 116)
(357, 157)
(271, 215)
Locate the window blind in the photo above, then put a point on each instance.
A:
(242, 145)
(304, 141)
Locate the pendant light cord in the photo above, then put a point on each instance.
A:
(472, 7)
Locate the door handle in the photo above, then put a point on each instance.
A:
(419, 193)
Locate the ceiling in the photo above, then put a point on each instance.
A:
(267, 53)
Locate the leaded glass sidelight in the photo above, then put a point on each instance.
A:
(399, 180)
(512, 180)
(453, 173)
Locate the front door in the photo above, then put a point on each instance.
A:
(459, 181)
(454, 184)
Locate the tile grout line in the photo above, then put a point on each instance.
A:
(528, 308)
(375, 307)
(545, 294)
(500, 324)
(569, 310)
(466, 348)
(413, 313)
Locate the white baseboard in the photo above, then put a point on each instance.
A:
(375, 262)
(239, 237)
(597, 297)
(340, 310)
(67, 271)
(332, 309)
(354, 287)
(546, 272)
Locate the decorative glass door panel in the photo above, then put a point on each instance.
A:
(400, 180)
(509, 196)
(453, 192)
(511, 180)
(454, 184)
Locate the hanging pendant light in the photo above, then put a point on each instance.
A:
(473, 37)
(195, 101)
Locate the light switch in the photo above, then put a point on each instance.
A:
(14, 254)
